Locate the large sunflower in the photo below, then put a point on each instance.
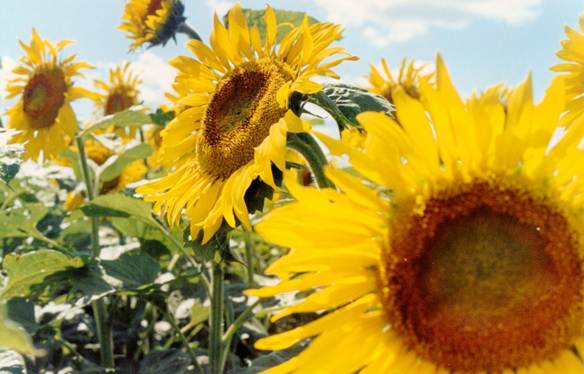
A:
(572, 69)
(409, 77)
(43, 116)
(462, 252)
(233, 120)
(151, 21)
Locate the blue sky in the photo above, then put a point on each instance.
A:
(483, 41)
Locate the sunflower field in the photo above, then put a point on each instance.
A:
(273, 217)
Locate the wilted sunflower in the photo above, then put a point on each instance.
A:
(234, 119)
(572, 69)
(43, 116)
(408, 77)
(463, 252)
(152, 21)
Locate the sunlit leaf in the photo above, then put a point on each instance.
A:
(113, 170)
(127, 118)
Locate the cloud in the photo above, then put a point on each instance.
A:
(389, 21)
(220, 7)
(6, 66)
(157, 76)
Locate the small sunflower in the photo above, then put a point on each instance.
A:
(408, 78)
(118, 94)
(232, 120)
(572, 69)
(152, 21)
(462, 252)
(43, 116)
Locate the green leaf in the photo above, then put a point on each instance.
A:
(127, 118)
(145, 232)
(161, 118)
(13, 337)
(352, 100)
(134, 269)
(12, 362)
(114, 169)
(21, 222)
(286, 19)
(118, 205)
(30, 269)
(9, 164)
(167, 361)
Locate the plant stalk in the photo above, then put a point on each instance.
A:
(216, 315)
(103, 327)
(310, 150)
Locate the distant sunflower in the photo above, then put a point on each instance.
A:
(152, 21)
(463, 252)
(572, 70)
(408, 78)
(118, 94)
(43, 116)
(232, 123)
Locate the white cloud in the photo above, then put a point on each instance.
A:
(220, 7)
(388, 21)
(157, 76)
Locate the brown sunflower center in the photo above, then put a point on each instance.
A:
(485, 280)
(118, 101)
(239, 116)
(43, 97)
(153, 7)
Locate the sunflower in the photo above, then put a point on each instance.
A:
(408, 78)
(152, 21)
(154, 138)
(572, 69)
(232, 122)
(462, 250)
(118, 94)
(43, 117)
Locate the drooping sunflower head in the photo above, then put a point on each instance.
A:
(409, 76)
(461, 249)
(572, 69)
(42, 116)
(152, 21)
(233, 116)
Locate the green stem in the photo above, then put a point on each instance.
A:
(184, 28)
(240, 320)
(249, 258)
(103, 327)
(184, 340)
(312, 153)
(216, 315)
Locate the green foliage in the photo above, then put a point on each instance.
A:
(286, 20)
(118, 205)
(133, 269)
(350, 100)
(29, 270)
(127, 118)
(161, 118)
(114, 169)
(12, 337)
(9, 165)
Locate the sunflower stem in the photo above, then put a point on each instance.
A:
(216, 315)
(186, 29)
(331, 108)
(103, 327)
(312, 153)
(249, 258)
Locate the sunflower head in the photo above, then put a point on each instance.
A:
(232, 116)
(459, 248)
(42, 116)
(153, 22)
(408, 78)
(572, 70)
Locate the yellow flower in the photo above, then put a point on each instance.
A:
(461, 251)
(118, 94)
(43, 116)
(408, 78)
(151, 21)
(74, 200)
(232, 118)
(572, 69)
(131, 173)
(154, 138)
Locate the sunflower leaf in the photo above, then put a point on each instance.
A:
(127, 118)
(348, 101)
(286, 20)
(134, 269)
(118, 205)
(113, 169)
(30, 270)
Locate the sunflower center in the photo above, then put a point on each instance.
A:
(463, 276)
(153, 7)
(43, 97)
(117, 101)
(239, 116)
